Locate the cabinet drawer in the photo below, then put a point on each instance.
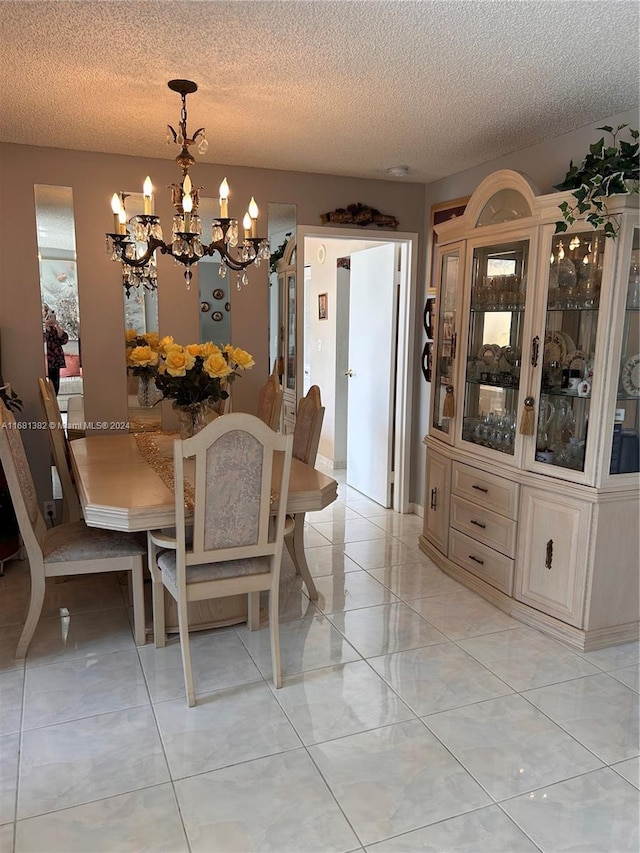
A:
(288, 410)
(485, 526)
(482, 561)
(486, 490)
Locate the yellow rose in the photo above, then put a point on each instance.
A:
(242, 358)
(209, 348)
(142, 357)
(216, 366)
(194, 349)
(177, 361)
(153, 339)
(165, 343)
(130, 334)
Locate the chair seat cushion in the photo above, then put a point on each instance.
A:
(213, 571)
(76, 541)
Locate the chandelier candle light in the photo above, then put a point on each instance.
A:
(134, 242)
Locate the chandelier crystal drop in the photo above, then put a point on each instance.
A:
(135, 241)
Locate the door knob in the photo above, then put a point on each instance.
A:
(349, 373)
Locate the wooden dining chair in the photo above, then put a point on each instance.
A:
(68, 549)
(232, 544)
(71, 510)
(306, 437)
(270, 402)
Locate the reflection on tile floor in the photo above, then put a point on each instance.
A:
(413, 716)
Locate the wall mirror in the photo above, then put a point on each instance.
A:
(215, 290)
(141, 316)
(56, 236)
(282, 223)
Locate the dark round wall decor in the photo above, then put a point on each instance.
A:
(217, 316)
(218, 293)
(204, 307)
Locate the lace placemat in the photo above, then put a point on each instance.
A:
(157, 450)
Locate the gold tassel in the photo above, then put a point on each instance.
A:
(526, 421)
(449, 406)
(279, 368)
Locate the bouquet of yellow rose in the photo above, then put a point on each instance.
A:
(143, 352)
(198, 373)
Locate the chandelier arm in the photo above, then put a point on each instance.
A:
(152, 244)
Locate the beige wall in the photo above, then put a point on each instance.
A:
(94, 178)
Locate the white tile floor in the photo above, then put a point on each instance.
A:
(413, 716)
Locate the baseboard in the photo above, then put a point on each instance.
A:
(331, 464)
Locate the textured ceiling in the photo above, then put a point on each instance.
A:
(350, 87)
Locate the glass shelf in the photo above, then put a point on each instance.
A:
(565, 309)
(564, 392)
(510, 386)
(497, 309)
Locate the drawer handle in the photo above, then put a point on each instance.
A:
(480, 488)
(476, 559)
(478, 523)
(434, 497)
(549, 559)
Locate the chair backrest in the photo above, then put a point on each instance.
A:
(60, 451)
(21, 486)
(306, 434)
(241, 468)
(270, 402)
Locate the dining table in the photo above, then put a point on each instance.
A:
(125, 482)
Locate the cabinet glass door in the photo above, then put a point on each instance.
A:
(568, 349)
(444, 363)
(625, 450)
(496, 322)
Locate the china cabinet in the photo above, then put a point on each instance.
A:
(532, 495)
(287, 325)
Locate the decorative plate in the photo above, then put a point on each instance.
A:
(489, 353)
(509, 355)
(631, 376)
(577, 360)
(569, 342)
(204, 307)
(217, 316)
(555, 348)
(563, 274)
(218, 293)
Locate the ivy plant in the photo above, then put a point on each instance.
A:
(604, 172)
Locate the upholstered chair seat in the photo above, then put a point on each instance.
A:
(76, 541)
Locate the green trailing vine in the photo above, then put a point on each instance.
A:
(278, 254)
(604, 172)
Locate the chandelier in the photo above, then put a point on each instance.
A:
(135, 241)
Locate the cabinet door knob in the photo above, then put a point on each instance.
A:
(434, 497)
(476, 559)
(480, 488)
(349, 373)
(478, 523)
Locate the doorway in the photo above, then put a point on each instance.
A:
(325, 328)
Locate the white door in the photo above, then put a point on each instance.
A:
(371, 372)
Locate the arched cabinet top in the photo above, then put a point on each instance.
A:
(502, 197)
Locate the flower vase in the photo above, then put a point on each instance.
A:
(146, 391)
(193, 418)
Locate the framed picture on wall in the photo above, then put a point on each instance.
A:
(322, 306)
(442, 212)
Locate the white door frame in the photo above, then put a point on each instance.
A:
(408, 242)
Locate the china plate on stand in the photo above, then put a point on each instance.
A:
(555, 347)
(631, 376)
